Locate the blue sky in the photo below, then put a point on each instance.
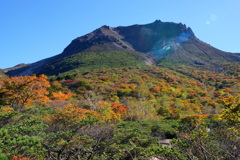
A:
(34, 30)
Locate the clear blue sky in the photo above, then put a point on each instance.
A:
(31, 30)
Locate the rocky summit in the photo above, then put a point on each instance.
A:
(157, 43)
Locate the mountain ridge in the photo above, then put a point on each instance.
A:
(151, 43)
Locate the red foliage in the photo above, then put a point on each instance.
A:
(155, 89)
(119, 109)
(68, 81)
(19, 157)
(105, 78)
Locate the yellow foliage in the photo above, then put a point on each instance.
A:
(6, 109)
(106, 112)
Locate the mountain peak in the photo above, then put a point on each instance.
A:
(144, 37)
(150, 43)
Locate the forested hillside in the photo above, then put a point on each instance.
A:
(122, 113)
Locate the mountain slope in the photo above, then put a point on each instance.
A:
(134, 45)
(2, 75)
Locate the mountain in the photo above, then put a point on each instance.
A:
(15, 67)
(137, 45)
(2, 75)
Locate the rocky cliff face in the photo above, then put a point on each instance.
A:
(153, 43)
(146, 38)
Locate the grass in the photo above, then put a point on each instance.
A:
(86, 61)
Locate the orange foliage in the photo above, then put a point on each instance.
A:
(111, 112)
(119, 109)
(218, 93)
(129, 86)
(196, 109)
(212, 103)
(106, 112)
(227, 89)
(1, 83)
(70, 114)
(174, 112)
(23, 90)
(61, 96)
(102, 102)
(19, 157)
(155, 89)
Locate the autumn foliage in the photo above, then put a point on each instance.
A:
(119, 109)
(71, 114)
(19, 157)
(61, 96)
(18, 92)
(121, 113)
